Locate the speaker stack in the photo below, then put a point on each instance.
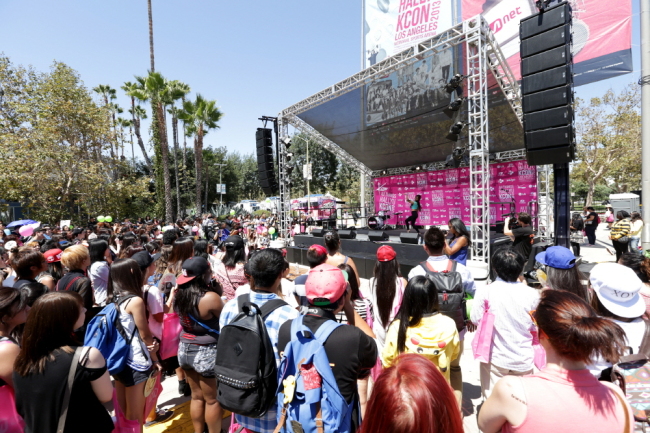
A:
(265, 169)
(547, 86)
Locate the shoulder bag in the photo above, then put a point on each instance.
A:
(68, 390)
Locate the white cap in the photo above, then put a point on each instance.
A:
(617, 288)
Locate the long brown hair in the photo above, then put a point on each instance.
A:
(125, 279)
(182, 250)
(49, 326)
(386, 275)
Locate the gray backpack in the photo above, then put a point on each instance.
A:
(451, 292)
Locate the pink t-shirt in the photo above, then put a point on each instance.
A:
(230, 278)
(569, 401)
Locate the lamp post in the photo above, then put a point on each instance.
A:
(220, 187)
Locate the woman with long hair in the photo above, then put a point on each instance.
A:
(576, 226)
(125, 290)
(100, 260)
(571, 333)
(635, 232)
(198, 302)
(334, 255)
(419, 322)
(54, 272)
(562, 273)
(456, 247)
(42, 366)
(620, 233)
(425, 402)
(415, 209)
(124, 242)
(230, 272)
(13, 313)
(386, 292)
(161, 265)
(641, 267)
(183, 249)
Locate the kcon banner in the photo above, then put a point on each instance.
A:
(445, 193)
(602, 33)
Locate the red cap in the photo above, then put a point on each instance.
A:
(325, 285)
(386, 253)
(53, 256)
(319, 248)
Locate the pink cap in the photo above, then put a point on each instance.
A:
(325, 285)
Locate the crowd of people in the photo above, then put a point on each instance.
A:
(100, 314)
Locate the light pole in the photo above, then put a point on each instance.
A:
(220, 187)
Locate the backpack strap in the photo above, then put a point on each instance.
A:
(271, 306)
(203, 325)
(68, 390)
(242, 299)
(645, 343)
(68, 286)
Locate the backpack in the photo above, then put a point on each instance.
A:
(106, 333)
(632, 374)
(245, 366)
(437, 344)
(451, 292)
(309, 399)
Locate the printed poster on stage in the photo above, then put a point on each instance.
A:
(392, 26)
(445, 194)
(602, 34)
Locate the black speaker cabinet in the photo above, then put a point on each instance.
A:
(551, 155)
(409, 238)
(548, 79)
(543, 21)
(546, 60)
(318, 232)
(347, 234)
(377, 235)
(549, 138)
(546, 41)
(560, 116)
(548, 99)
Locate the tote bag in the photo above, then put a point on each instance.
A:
(123, 425)
(10, 421)
(539, 354)
(151, 395)
(170, 336)
(482, 343)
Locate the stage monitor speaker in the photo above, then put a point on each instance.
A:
(347, 234)
(318, 232)
(546, 41)
(409, 238)
(549, 138)
(560, 116)
(543, 21)
(560, 76)
(548, 99)
(551, 155)
(377, 235)
(546, 60)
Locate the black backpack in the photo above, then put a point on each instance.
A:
(451, 292)
(245, 366)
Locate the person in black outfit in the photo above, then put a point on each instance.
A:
(43, 364)
(77, 259)
(521, 236)
(591, 224)
(415, 209)
(577, 226)
(351, 350)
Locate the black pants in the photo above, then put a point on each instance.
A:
(591, 234)
(620, 248)
(411, 220)
(576, 248)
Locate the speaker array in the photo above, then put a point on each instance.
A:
(547, 86)
(265, 169)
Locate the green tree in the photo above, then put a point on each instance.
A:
(137, 114)
(175, 91)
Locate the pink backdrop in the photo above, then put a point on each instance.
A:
(445, 193)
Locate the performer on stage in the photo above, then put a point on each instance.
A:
(415, 208)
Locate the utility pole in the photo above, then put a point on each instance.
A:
(220, 184)
(308, 178)
(645, 119)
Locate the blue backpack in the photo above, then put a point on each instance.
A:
(106, 333)
(315, 404)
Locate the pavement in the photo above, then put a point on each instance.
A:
(472, 400)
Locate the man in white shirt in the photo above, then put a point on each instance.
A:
(511, 303)
(434, 243)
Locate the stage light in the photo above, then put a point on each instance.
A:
(455, 158)
(454, 84)
(542, 4)
(288, 170)
(286, 141)
(288, 156)
(383, 172)
(455, 130)
(453, 107)
(418, 168)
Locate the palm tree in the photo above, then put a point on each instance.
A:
(108, 94)
(153, 69)
(137, 113)
(154, 90)
(175, 91)
(200, 116)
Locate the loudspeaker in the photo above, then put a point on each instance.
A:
(548, 79)
(347, 234)
(546, 60)
(377, 235)
(409, 238)
(546, 41)
(560, 116)
(541, 22)
(548, 99)
(318, 232)
(551, 155)
(549, 138)
(265, 169)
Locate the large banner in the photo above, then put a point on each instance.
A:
(445, 193)
(392, 26)
(602, 33)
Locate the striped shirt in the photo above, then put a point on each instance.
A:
(620, 228)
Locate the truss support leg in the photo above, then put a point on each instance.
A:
(562, 204)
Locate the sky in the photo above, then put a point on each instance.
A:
(254, 57)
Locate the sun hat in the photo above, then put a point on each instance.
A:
(386, 253)
(325, 285)
(557, 257)
(192, 268)
(617, 288)
(52, 256)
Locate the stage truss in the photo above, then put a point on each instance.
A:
(482, 53)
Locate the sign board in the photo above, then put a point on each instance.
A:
(306, 171)
(221, 188)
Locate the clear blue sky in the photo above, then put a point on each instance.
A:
(254, 57)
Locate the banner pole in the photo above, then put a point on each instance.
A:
(645, 120)
(362, 177)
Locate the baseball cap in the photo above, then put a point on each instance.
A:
(385, 253)
(192, 268)
(156, 256)
(557, 257)
(234, 242)
(143, 258)
(76, 231)
(318, 248)
(53, 256)
(617, 288)
(11, 245)
(325, 285)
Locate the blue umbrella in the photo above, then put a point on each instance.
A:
(20, 223)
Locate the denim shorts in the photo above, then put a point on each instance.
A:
(197, 357)
(130, 377)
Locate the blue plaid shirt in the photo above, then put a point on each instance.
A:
(273, 321)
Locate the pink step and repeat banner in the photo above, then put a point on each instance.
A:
(445, 193)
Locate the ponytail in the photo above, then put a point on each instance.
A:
(575, 331)
(332, 241)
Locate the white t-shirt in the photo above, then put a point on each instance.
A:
(377, 327)
(155, 305)
(634, 331)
